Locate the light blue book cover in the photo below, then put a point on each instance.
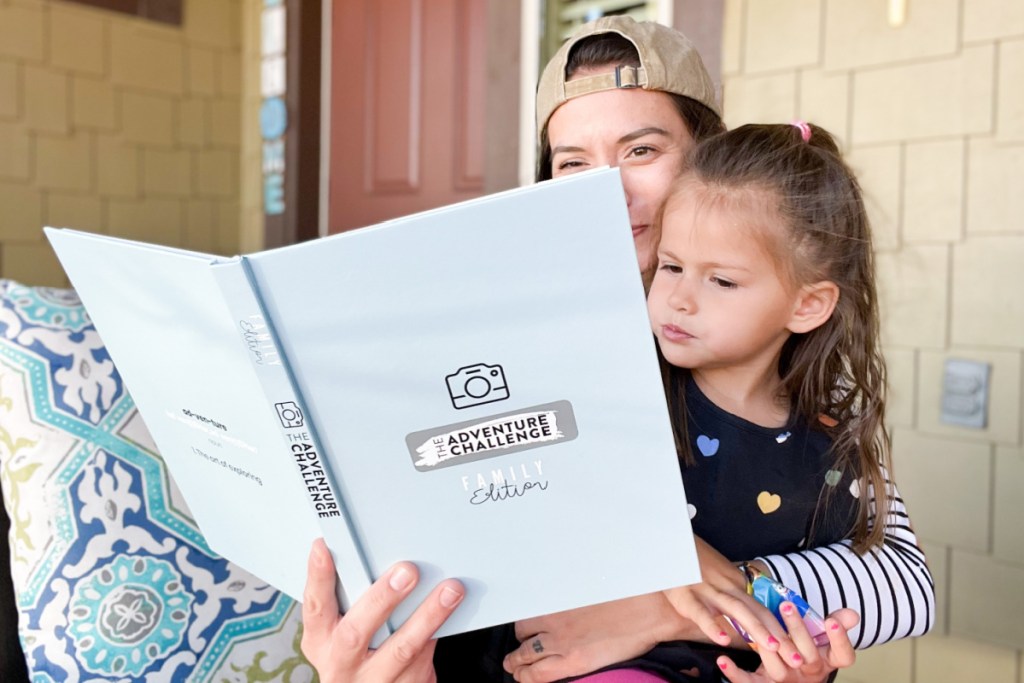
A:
(474, 389)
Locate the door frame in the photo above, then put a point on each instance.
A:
(513, 54)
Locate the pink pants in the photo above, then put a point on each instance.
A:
(622, 676)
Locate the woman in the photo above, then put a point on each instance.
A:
(636, 96)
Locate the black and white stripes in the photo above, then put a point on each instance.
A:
(891, 587)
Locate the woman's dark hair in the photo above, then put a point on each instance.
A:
(612, 49)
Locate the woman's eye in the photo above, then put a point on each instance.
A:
(641, 151)
(569, 165)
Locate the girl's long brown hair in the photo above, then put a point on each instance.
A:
(834, 376)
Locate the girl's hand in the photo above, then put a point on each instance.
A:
(810, 664)
(576, 642)
(579, 641)
(723, 592)
(338, 646)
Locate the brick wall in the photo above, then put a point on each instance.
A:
(132, 128)
(118, 125)
(932, 116)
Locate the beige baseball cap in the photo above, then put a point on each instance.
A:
(668, 62)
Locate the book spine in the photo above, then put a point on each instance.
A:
(256, 332)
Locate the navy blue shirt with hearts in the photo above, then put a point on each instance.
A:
(752, 491)
(755, 490)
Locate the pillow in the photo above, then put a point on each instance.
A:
(112, 577)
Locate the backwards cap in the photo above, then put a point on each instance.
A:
(668, 62)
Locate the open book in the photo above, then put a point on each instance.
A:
(474, 389)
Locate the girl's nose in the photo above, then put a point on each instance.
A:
(682, 297)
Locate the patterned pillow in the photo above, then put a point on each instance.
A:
(112, 578)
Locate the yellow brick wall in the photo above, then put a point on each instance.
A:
(251, 197)
(127, 127)
(118, 125)
(931, 114)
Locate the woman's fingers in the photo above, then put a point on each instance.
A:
(544, 671)
(535, 660)
(530, 651)
(415, 636)
(319, 603)
(338, 645)
(355, 630)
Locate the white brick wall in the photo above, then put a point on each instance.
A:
(932, 116)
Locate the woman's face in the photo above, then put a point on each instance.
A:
(641, 132)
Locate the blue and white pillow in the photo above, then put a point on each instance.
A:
(113, 579)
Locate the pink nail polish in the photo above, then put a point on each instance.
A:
(772, 641)
(834, 626)
(797, 658)
(723, 634)
(723, 666)
(787, 609)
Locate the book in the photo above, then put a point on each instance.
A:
(474, 389)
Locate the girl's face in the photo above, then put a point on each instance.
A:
(639, 131)
(718, 299)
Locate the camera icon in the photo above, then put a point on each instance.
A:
(289, 414)
(475, 385)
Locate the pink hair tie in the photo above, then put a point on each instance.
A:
(804, 128)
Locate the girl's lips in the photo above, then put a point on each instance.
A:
(637, 229)
(675, 334)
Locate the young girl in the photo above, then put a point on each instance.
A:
(764, 307)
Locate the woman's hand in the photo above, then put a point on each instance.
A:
(576, 642)
(579, 641)
(810, 664)
(338, 646)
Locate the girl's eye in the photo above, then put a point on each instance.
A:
(723, 283)
(671, 268)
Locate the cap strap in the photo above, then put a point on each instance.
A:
(622, 77)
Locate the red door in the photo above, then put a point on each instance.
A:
(407, 107)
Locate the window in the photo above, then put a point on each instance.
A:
(564, 16)
(163, 11)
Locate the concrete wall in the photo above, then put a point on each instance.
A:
(113, 124)
(932, 116)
